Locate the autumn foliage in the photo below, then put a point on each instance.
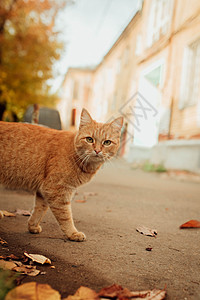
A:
(29, 47)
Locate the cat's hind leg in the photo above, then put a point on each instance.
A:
(39, 211)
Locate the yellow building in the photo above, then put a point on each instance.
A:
(76, 92)
(151, 75)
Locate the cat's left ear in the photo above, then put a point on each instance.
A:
(86, 119)
(117, 124)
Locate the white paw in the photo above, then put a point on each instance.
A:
(34, 229)
(77, 237)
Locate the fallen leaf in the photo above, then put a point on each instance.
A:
(11, 256)
(147, 231)
(43, 273)
(19, 267)
(41, 259)
(22, 212)
(3, 242)
(27, 270)
(83, 293)
(116, 292)
(18, 263)
(149, 295)
(110, 291)
(7, 265)
(148, 249)
(8, 214)
(80, 201)
(191, 224)
(33, 291)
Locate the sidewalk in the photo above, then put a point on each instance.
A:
(114, 251)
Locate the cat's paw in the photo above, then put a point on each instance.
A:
(77, 237)
(34, 229)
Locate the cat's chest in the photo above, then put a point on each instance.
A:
(83, 177)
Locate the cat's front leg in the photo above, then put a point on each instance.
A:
(39, 211)
(61, 208)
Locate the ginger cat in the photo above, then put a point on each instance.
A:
(54, 163)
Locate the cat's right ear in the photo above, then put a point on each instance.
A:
(86, 119)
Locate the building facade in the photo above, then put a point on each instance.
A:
(151, 76)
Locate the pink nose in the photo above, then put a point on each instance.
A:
(97, 151)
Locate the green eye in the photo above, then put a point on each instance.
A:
(89, 139)
(107, 143)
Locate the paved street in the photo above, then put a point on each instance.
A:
(114, 251)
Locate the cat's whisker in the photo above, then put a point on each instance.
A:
(84, 160)
(79, 159)
(87, 159)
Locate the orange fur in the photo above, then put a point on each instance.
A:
(54, 163)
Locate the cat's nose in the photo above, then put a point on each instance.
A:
(97, 151)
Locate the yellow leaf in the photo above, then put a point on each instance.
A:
(83, 293)
(7, 213)
(33, 291)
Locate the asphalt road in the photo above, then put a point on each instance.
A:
(114, 251)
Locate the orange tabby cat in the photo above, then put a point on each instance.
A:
(54, 163)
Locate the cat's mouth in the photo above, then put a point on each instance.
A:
(98, 157)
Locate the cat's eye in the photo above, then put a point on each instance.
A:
(89, 139)
(107, 143)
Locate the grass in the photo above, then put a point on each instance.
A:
(149, 167)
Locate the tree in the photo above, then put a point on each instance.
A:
(29, 47)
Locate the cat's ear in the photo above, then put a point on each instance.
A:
(86, 119)
(117, 124)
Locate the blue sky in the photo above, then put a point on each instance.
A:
(89, 29)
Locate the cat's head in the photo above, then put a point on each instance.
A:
(97, 141)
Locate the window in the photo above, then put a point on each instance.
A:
(154, 76)
(190, 80)
(159, 20)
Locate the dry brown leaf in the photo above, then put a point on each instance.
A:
(11, 256)
(41, 259)
(147, 231)
(191, 224)
(23, 212)
(3, 242)
(149, 295)
(111, 291)
(83, 293)
(1, 214)
(19, 267)
(7, 265)
(27, 270)
(8, 214)
(33, 291)
(80, 201)
(117, 292)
